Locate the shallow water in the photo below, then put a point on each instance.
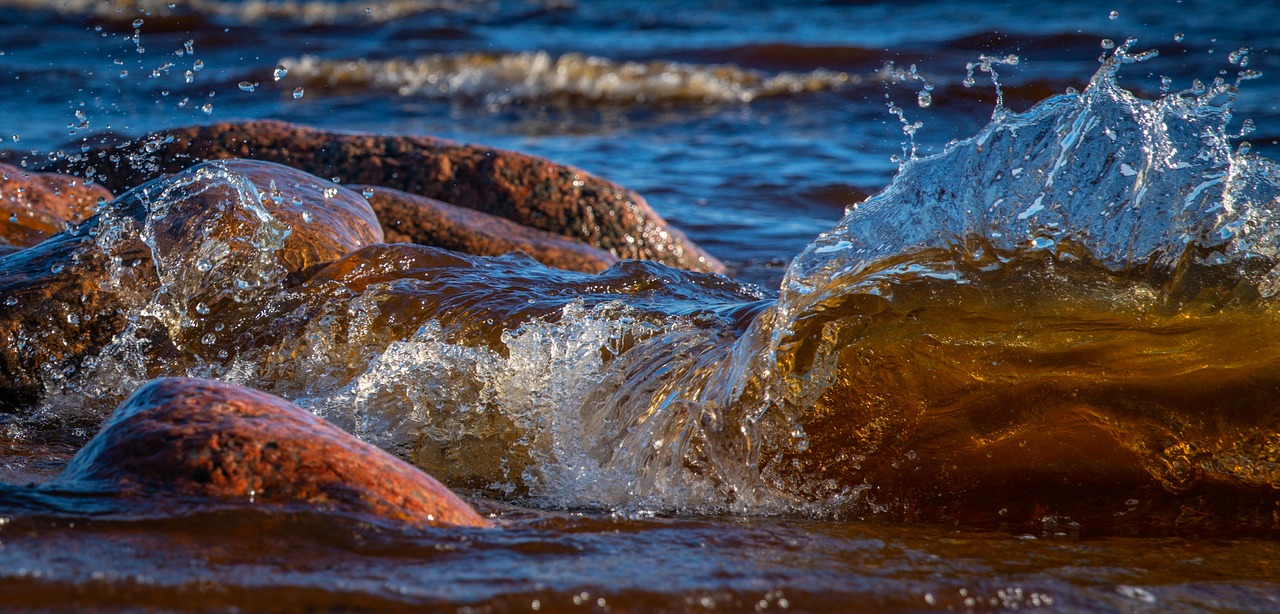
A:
(1036, 370)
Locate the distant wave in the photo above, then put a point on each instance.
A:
(249, 11)
(539, 76)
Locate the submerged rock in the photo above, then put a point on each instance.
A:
(526, 189)
(36, 206)
(408, 218)
(191, 437)
(201, 251)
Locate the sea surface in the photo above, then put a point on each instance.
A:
(964, 238)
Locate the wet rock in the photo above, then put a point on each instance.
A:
(202, 438)
(525, 189)
(36, 206)
(408, 218)
(199, 252)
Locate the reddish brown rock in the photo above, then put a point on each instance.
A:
(224, 238)
(528, 190)
(36, 206)
(408, 218)
(209, 439)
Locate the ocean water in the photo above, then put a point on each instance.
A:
(1000, 330)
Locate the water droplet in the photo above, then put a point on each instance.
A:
(57, 268)
(279, 73)
(190, 76)
(330, 192)
(204, 265)
(1108, 43)
(924, 99)
(246, 86)
(198, 65)
(137, 23)
(306, 216)
(1114, 15)
(1179, 37)
(968, 81)
(209, 339)
(368, 192)
(202, 309)
(207, 108)
(11, 301)
(13, 217)
(297, 93)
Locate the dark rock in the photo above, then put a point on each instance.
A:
(202, 251)
(209, 439)
(528, 190)
(408, 218)
(36, 206)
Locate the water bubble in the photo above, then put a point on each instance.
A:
(297, 93)
(1114, 15)
(202, 309)
(209, 339)
(137, 23)
(367, 192)
(279, 73)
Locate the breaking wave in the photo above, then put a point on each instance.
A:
(1099, 270)
(537, 76)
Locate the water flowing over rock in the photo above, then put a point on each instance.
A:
(218, 239)
(523, 188)
(36, 206)
(408, 218)
(189, 437)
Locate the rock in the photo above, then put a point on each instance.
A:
(525, 189)
(209, 439)
(408, 218)
(36, 206)
(201, 251)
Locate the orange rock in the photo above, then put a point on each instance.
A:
(408, 218)
(221, 239)
(36, 206)
(209, 439)
(526, 189)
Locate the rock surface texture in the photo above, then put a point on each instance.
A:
(209, 439)
(526, 189)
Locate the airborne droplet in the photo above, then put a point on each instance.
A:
(297, 93)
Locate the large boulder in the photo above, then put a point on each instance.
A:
(200, 438)
(526, 189)
(197, 254)
(36, 206)
(409, 218)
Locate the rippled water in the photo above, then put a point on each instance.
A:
(1051, 335)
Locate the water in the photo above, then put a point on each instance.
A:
(1030, 365)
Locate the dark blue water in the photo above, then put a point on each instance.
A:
(753, 182)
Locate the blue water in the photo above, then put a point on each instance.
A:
(752, 182)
